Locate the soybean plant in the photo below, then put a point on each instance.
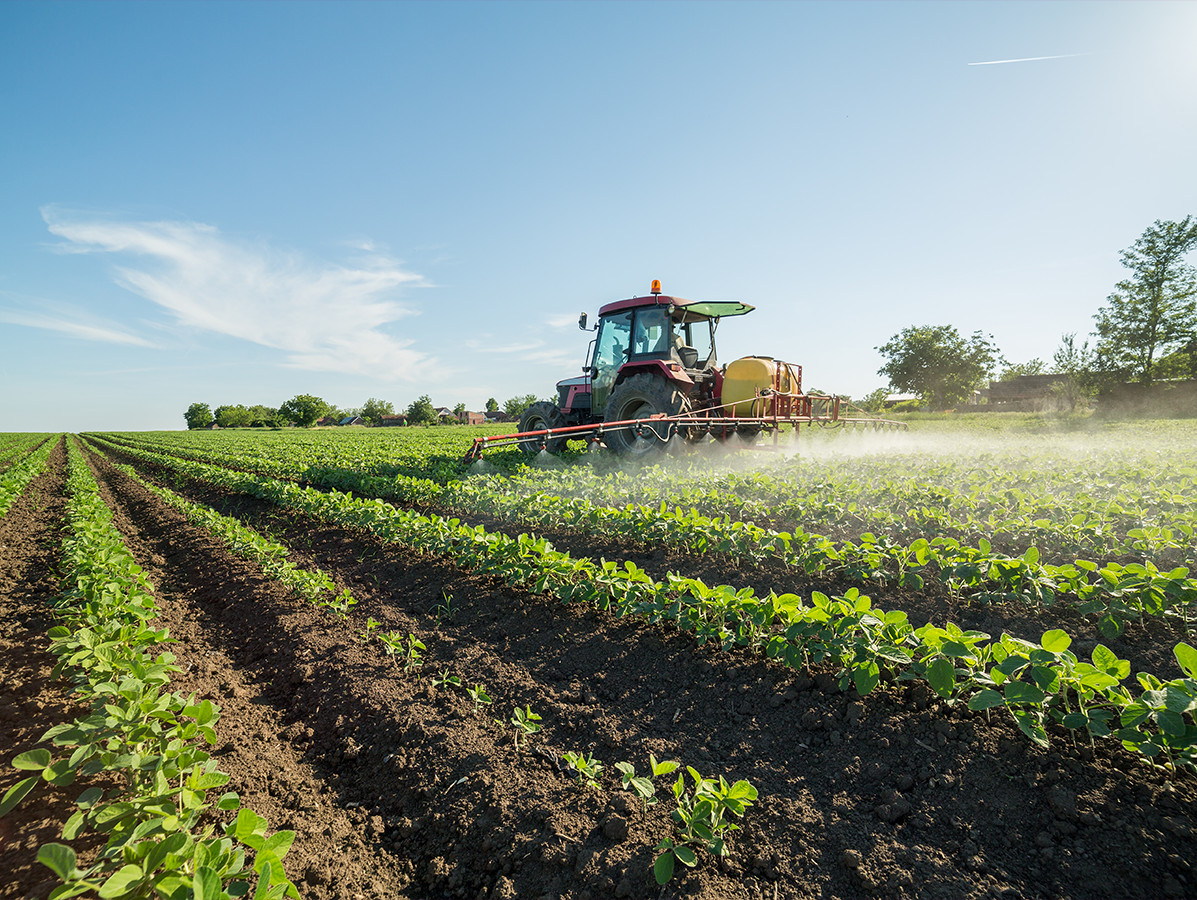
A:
(525, 722)
(588, 768)
(479, 696)
(642, 785)
(701, 820)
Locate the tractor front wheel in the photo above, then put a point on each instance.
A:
(640, 397)
(538, 417)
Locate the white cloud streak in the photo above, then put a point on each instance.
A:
(73, 328)
(325, 317)
(1001, 62)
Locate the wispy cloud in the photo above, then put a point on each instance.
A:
(326, 317)
(1001, 62)
(73, 326)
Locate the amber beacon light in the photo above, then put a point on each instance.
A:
(656, 286)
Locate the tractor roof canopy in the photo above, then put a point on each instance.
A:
(693, 309)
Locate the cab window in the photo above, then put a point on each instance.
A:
(651, 333)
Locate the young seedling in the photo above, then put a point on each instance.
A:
(446, 678)
(412, 658)
(372, 626)
(392, 642)
(444, 610)
(588, 768)
(642, 785)
(525, 722)
(479, 696)
(701, 819)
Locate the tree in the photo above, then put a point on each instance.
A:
(1014, 370)
(492, 405)
(459, 409)
(304, 410)
(936, 363)
(233, 416)
(373, 410)
(1154, 311)
(421, 412)
(263, 417)
(515, 406)
(198, 415)
(1076, 364)
(874, 401)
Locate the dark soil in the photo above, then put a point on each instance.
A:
(398, 789)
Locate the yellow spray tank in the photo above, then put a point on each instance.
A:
(748, 378)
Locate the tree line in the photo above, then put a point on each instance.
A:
(305, 410)
(1146, 331)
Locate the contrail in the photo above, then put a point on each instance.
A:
(998, 62)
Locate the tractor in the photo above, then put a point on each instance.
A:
(652, 375)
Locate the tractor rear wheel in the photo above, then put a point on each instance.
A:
(537, 417)
(640, 397)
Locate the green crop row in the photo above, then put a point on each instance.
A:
(17, 477)
(1114, 592)
(146, 741)
(1122, 496)
(314, 586)
(1038, 683)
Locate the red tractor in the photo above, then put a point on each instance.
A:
(652, 374)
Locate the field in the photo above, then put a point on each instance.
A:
(951, 662)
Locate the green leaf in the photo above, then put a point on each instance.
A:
(17, 793)
(663, 867)
(59, 859)
(1056, 641)
(120, 882)
(986, 699)
(279, 843)
(941, 675)
(1186, 655)
(686, 856)
(206, 884)
(32, 760)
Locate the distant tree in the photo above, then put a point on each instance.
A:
(874, 401)
(492, 405)
(1077, 365)
(421, 412)
(304, 410)
(1154, 311)
(1014, 370)
(198, 415)
(233, 416)
(374, 409)
(515, 406)
(264, 417)
(936, 363)
(459, 409)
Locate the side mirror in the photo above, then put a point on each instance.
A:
(582, 321)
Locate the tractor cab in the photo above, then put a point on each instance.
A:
(669, 337)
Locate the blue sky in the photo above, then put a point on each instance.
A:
(240, 202)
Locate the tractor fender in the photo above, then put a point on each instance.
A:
(657, 368)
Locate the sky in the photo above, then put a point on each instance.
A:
(231, 203)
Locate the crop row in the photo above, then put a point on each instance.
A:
(146, 741)
(17, 477)
(1114, 592)
(1037, 683)
(1116, 503)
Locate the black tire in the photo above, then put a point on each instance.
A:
(537, 417)
(639, 397)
